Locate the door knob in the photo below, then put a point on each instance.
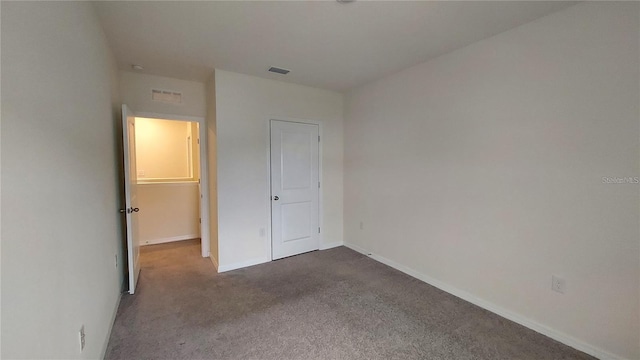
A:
(276, 198)
(136, 209)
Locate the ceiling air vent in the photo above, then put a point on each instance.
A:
(165, 96)
(279, 70)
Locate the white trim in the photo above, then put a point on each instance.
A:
(113, 320)
(243, 264)
(153, 115)
(169, 239)
(205, 243)
(177, 183)
(330, 245)
(519, 319)
(319, 123)
(150, 181)
(268, 238)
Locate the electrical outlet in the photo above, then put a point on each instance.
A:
(81, 338)
(361, 225)
(558, 284)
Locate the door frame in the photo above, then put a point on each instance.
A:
(269, 237)
(205, 226)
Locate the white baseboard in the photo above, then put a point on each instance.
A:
(113, 320)
(517, 318)
(330, 245)
(170, 239)
(239, 265)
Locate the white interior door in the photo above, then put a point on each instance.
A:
(295, 224)
(131, 199)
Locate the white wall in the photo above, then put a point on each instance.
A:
(61, 226)
(135, 91)
(482, 171)
(163, 149)
(244, 105)
(168, 212)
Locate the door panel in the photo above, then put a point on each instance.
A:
(294, 188)
(296, 160)
(296, 221)
(131, 197)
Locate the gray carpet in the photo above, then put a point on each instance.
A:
(332, 304)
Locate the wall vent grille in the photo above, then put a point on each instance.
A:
(278, 70)
(166, 96)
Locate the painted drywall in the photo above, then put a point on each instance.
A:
(244, 105)
(212, 169)
(163, 149)
(59, 170)
(483, 170)
(168, 212)
(135, 91)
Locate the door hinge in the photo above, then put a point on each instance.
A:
(198, 141)
(318, 138)
(200, 220)
(318, 184)
(318, 230)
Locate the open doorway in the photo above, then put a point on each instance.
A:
(168, 180)
(173, 168)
